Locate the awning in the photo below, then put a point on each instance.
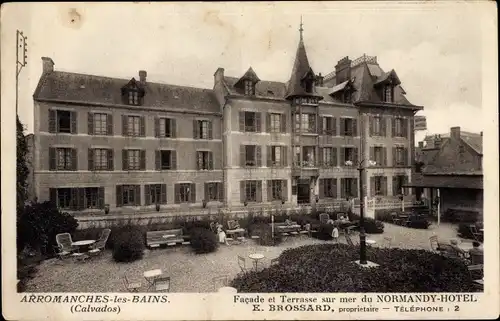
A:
(446, 181)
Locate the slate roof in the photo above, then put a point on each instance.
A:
(474, 140)
(446, 181)
(82, 88)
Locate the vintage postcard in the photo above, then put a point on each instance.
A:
(250, 161)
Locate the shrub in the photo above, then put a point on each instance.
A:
(128, 244)
(192, 224)
(324, 232)
(463, 230)
(418, 221)
(330, 268)
(39, 223)
(456, 216)
(371, 226)
(384, 215)
(203, 240)
(265, 233)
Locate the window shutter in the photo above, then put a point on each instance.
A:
(354, 188)
(52, 159)
(142, 124)
(258, 124)
(119, 195)
(74, 199)
(335, 161)
(284, 190)
(342, 126)
(210, 130)
(322, 188)
(91, 159)
(199, 160)
(394, 157)
(259, 191)
(157, 126)
(177, 197)
(124, 125)
(73, 122)
(192, 193)
(372, 186)
(205, 192)
(210, 160)
(384, 185)
(173, 128)
(395, 185)
(258, 156)
(342, 156)
(157, 160)
(163, 191)
(242, 121)
(321, 129)
(81, 199)
(405, 127)
(90, 123)
(173, 159)
(142, 156)
(354, 127)
(284, 156)
(74, 160)
(393, 127)
(355, 156)
(269, 155)
(405, 181)
(334, 126)
(242, 156)
(334, 187)
(372, 154)
(100, 202)
(147, 195)
(268, 122)
(320, 160)
(53, 195)
(111, 160)
(242, 191)
(195, 129)
(52, 121)
(138, 195)
(220, 189)
(124, 160)
(384, 150)
(269, 191)
(370, 124)
(342, 188)
(383, 126)
(405, 156)
(109, 121)
(283, 123)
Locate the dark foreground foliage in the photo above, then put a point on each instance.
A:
(128, 244)
(330, 268)
(203, 240)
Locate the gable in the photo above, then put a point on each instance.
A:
(455, 156)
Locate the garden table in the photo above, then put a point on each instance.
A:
(151, 275)
(370, 242)
(256, 257)
(84, 244)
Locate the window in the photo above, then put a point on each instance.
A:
(388, 93)
(251, 188)
(205, 160)
(399, 129)
(275, 123)
(349, 187)
(348, 126)
(63, 121)
(133, 159)
(376, 126)
(328, 188)
(399, 156)
(133, 126)
(250, 123)
(100, 124)
(305, 123)
(92, 197)
(165, 160)
(397, 185)
(378, 185)
(308, 156)
(213, 192)
(202, 129)
(328, 156)
(185, 193)
(65, 158)
(276, 190)
(249, 88)
(64, 198)
(129, 195)
(461, 149)
(276, 156)
(328, 126)
(133, 97)
(346, 96)
(155, 194)
(378, 155)
(349, 154)
(166, 127)
(100, 159)
(250, 155)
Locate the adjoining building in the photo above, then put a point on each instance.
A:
(138, 146)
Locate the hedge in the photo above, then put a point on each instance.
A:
(331, 268)
(128, 244)
(203, 240)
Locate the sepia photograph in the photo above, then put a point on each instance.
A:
(238, 149)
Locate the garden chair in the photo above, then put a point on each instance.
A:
(131, 287)
(61, 254)
(433, 240)
(162, 284)
(65, 243)
(324, 217)
(101, 242)
(477, 235)
(224, 279)
(476, 275)
(395, 218)
(242, 264)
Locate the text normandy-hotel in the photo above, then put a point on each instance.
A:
(135, 146)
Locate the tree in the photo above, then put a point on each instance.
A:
(21, 166)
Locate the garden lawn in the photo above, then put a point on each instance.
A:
(191, 272)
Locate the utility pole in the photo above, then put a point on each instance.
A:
(21, 60)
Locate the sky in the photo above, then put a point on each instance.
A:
(436, 49)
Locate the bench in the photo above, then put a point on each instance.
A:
(168, 237)
(286, 229)
(234, 229)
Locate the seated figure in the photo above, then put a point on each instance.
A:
(221, 234)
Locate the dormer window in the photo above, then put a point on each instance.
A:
(133, 97)
(249, 88)
(346, 96)
(389, 93)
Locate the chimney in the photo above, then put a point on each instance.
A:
(219, 75)
(420, 144)
(455, 132)
(437, 141)
(48, 65)
(319, 80)
(142, 76)
(343, 70)
(481, 133)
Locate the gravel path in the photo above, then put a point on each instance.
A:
(194, 273)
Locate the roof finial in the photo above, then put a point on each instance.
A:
(301, 29)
